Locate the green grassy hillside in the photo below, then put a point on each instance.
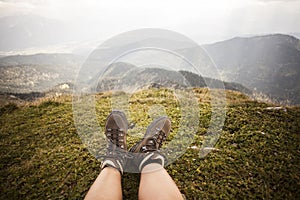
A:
(256, 157)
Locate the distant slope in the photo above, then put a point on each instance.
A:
(55, 59)
(37, 73)
(41, 72)
(296, 35)
(129, 77)
(269, 64)
(198, 81)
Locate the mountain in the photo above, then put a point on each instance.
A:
(195, 80)
(265, 64)
(125, 76)
(269, 64)
(296, 35)
(46, 72)
(57, 59)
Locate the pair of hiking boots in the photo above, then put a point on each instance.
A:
(145, 151)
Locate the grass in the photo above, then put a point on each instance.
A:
(256, 157)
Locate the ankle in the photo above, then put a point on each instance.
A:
(151, 168)
(114, 163)
(111, 170)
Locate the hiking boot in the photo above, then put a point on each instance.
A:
(115, 130)
(148, 147)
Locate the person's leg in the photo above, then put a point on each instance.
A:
(157, 184)
(108, 183)
(106, 186)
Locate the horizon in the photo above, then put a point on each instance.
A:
(70, 47)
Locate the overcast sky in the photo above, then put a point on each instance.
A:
(202, 20)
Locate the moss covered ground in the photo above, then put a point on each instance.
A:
(256, 156)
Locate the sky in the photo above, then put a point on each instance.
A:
(204, 21)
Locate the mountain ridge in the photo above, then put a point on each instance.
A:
(269, 64)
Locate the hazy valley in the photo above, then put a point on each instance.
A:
(266, 65)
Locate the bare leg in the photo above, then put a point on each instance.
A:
(157, 184)
(107, 185)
